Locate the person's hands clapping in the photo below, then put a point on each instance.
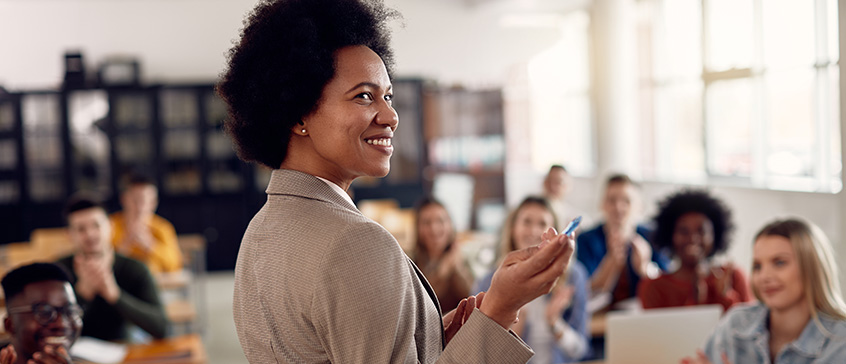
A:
(8, 355)
(561, 298)
(641, 255)
(525, 275)
(95, 277)
(51, 355)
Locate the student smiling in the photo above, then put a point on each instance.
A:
(801, 317)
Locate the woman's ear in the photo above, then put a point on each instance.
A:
(8, 325)
(300, 129)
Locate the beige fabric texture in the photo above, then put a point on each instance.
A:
(318, 282)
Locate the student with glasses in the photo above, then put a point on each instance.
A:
(43, 317)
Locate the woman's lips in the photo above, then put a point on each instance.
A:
(771, 291)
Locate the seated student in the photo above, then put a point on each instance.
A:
(114, 291)
(694, 226)
(556, 188)
(437, 257)
(141, 234)
(554, 325)
(616, 253)
(43, 318)
(801, 316)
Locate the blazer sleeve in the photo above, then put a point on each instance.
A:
(365, 309)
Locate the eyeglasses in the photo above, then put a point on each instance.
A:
(45, 314)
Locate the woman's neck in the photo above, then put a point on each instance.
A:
(688, 272)
(787, 324)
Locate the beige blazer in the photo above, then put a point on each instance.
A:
(318, 282)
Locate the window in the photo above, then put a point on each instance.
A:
(741, 91)
(560, 102)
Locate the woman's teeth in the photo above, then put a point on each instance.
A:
(56, 340)
(386, 142)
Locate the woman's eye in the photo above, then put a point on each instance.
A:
(756, 267)
(366, 96)
(389, 97)
(779, 263)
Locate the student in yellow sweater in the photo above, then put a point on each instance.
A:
(140, 233)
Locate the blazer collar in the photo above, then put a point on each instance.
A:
(296, 183)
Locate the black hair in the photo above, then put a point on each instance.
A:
(82, 201)
(285, 57)
(557, 166)
(15, 281)
(687, 201)
(137, 179)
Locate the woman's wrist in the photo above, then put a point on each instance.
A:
(503, 317)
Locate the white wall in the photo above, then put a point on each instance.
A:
(186, 40)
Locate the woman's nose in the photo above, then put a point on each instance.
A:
(387, 116)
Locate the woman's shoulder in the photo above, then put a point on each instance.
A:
(745, 316)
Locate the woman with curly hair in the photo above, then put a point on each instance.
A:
(309, 94)
(694, 226)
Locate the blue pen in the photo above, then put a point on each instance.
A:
(571, 227)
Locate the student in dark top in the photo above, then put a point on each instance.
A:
(115, 292)
(616, 253)
(43, 318)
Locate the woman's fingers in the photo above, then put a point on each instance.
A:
(479, 297)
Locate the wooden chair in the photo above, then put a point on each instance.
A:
(51, 243)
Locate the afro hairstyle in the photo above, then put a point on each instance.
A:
(285, 57)
(687, 201)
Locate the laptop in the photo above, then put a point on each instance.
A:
(658, 336)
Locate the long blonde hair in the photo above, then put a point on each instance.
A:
(816, 264)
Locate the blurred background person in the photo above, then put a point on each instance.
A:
(557, 185)
(116, 293)
(554, 325)
(694, 226)
(616, 253)
(800, 317)
(437, 255)
(43, 318)
(141, 234)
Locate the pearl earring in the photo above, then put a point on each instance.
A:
(303, 131)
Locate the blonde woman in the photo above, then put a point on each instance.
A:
(554, 325)
(801, 316)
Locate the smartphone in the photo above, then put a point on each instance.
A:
(571, 227)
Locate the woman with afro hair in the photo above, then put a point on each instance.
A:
(694, 226)
(309, 94)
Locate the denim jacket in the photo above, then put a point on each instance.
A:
(743, 335)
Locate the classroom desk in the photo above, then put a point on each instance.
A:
(186, 349)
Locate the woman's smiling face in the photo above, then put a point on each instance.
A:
(351, 129)
(776, 274)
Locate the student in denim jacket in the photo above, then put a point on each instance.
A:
(801, 317)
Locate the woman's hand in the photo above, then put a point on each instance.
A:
(455, 319)
(561, 298)
(525, 275)
(722, 279)
(8, 355)
(702, 359)
(641, 255)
